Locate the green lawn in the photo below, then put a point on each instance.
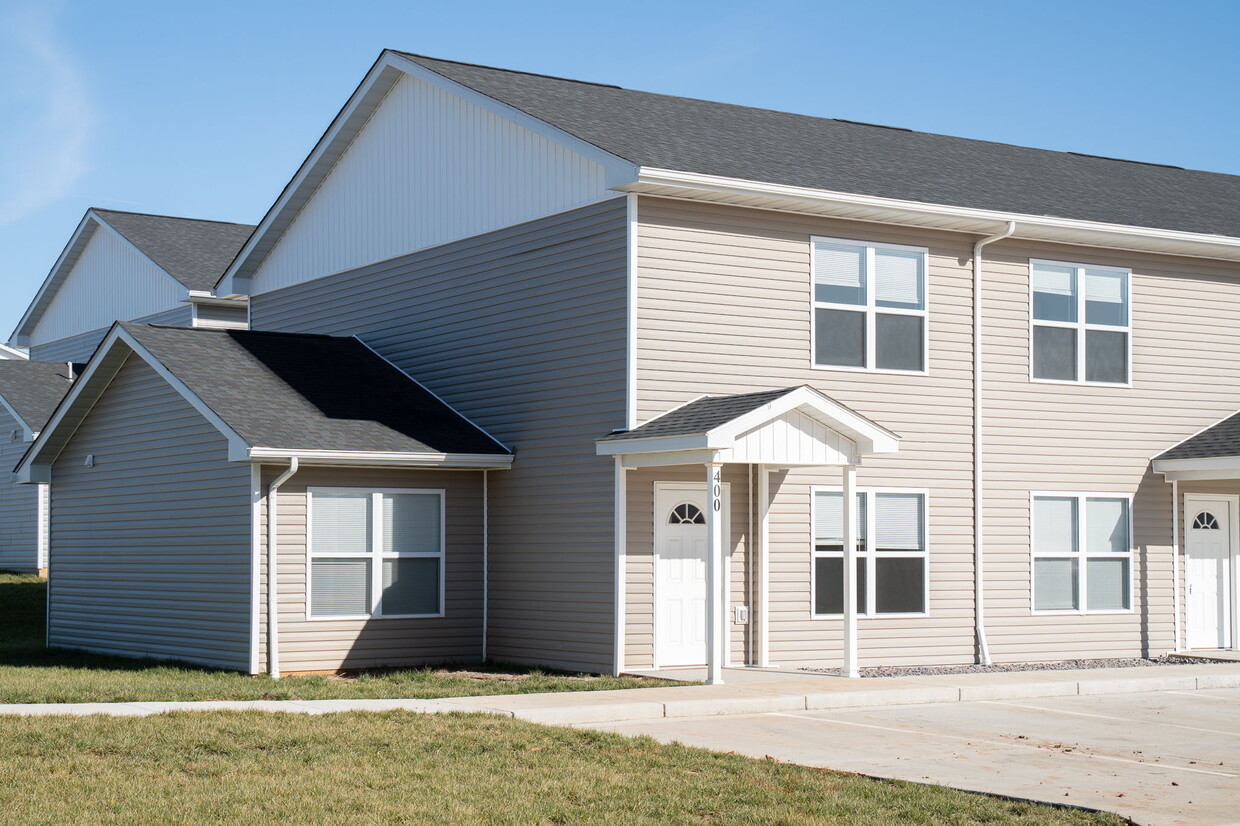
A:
(401, 768)
(30, 673)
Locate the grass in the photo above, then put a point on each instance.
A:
(401, 768)
(32, 673)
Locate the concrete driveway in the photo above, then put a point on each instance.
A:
(1166, 757)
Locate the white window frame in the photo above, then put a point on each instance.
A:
(1082, 555)
(870, 309)
(375, 554)
(1080, 325)
(871, 581)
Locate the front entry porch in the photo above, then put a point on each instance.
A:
(732, 444)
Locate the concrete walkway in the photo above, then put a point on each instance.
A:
(748, 691)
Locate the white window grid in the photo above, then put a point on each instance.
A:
(375, 553)
(1082, 556)
(871, 308)
(1080, 324)
(869, 556)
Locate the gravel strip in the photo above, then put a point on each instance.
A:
(1065, 665)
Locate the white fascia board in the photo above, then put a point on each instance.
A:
(656, 444)
(14, 354)
(68, 256)
(1227, 466)
(28, 433)
(741, 192)
(36, 467)
(345, 127)
(868, 436)
(369, 458)
(674, 457)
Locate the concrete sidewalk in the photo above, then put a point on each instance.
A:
(749, 691)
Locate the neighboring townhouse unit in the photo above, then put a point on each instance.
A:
(700, 329)
(29, 392)
(116, 265)
(129, 266)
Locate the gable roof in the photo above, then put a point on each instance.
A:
(701, 415)
(310, 392)
(1219, 440)
(322, 399)
(192, 251)
(188, 251)
(730, 141)
(30, 390)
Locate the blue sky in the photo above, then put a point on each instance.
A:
(206, 109)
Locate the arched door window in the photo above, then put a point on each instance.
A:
(686, 513)
(1205, 521)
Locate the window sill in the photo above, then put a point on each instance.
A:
(1073, 613)
(874, 370)
(922, 615)
(371, 617)
(1069, 382)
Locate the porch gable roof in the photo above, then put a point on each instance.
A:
(1213, 453)
(792, 426)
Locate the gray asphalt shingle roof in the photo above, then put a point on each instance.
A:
(310, 392)
(722, 139)
(193, 252)
(1223, 439)
(34, 388)
(700, 415)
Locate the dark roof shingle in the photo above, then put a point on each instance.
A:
(1222, 439)
(700, 415)
(699, 136)
(310, 392)
(34, 388)
(192, 251)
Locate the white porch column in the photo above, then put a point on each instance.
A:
(851, 668)
(714, 574)
(763, 614)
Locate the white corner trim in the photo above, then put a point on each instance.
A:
(256, 574)
(677, 184)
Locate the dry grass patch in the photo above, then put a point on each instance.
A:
(401, 768)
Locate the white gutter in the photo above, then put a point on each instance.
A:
(273, 559)
(979, 581)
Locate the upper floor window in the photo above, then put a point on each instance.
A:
(1080, 319)
(375, 553)
(869, 306)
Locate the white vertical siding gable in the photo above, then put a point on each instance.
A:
(111, 280)
(795, 438)
(427, 168)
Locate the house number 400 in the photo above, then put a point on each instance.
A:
(715, 502)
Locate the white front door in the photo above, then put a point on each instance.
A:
(680, 574)
(1208, 572)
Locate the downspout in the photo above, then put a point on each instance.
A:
(486, 552)
(979, 581)
(273, 553)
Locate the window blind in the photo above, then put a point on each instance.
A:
(340, 523)
(1106, 526)
(1106, 287)
(898, 278)
(1106, 584)
(898, 522)
(1054, 525)
(829, 518)
(411, 523)
(1055, 584)
(1054, 280)
(339, 587)
(840, 266)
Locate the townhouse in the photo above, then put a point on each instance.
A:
(556, 372)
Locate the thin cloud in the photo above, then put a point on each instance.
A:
(46, 147)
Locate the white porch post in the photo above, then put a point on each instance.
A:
(714, 573)
(851, 668)
(763, 614)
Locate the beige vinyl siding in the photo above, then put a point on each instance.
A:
(19, 504)
(523, 331)
(723, 306)
(328, 645)
(1090, 439)
(151, 546)
(80, 347)
(639, 601)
